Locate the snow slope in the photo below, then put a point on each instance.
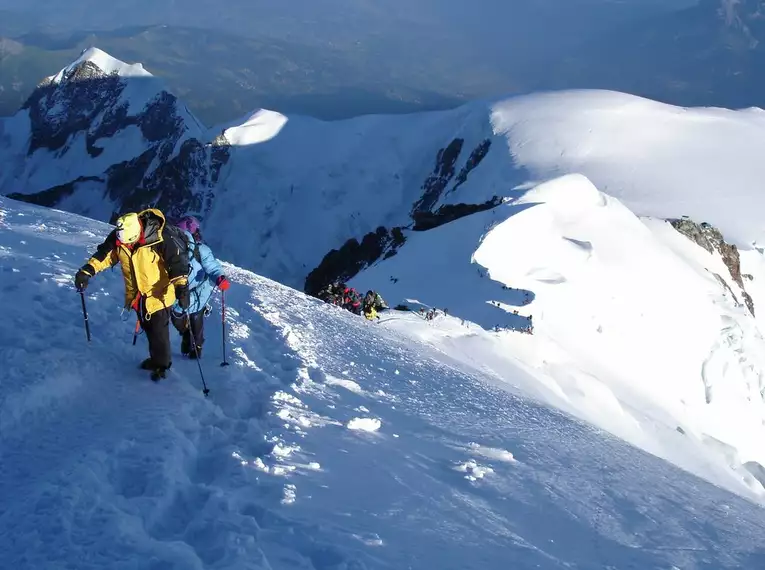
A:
(636, 328)
(329, 443)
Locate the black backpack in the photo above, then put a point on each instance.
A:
(184, 244)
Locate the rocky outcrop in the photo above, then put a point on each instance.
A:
(436, 184)
(711, 239)
(478, 154)
(443, 172)
(58, 110)
(449, 212)
(52, 196)
(354, 256)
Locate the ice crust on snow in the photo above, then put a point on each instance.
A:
(491, 452)
(364, 424)
(473, 471)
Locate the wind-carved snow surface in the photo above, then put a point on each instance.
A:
(633, 330)
(100, 467)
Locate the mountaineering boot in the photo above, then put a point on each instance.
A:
(193, 355)
(156, 372)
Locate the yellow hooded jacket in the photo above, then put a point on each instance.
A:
(152, 268)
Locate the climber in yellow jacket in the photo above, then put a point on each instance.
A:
(154, 266)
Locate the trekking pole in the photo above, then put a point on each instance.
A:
(85, 314)
(135, 332)
(205, 391)
(223, 324)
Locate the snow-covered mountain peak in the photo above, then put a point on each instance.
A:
(130, 84)
(257, 127)
(104, 62)
(101, 136)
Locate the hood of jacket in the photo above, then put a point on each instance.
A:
(153, 222)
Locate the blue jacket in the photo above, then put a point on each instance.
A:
(202, 276)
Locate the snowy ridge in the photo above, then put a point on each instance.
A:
(98, 465)
(319, 183)
(633, 330)
(659, 160)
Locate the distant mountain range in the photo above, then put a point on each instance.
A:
(711, 54)
(337, 59)
(222, 76)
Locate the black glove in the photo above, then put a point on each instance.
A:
(182, 294)
(81, 279)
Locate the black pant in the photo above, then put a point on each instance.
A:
(158, 334)
(197, 328)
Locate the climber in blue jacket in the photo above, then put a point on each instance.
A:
(205, 273)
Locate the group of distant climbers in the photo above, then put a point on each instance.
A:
(339, 294)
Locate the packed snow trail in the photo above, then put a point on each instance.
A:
(329, 443)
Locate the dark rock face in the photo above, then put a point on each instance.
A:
(435, 186)
(175, 176)
(443, 172)
(724, 284)
(478, 154)
(59, 110)
(354, 256)
(711, 239)
(449, 212)
(52, 196)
